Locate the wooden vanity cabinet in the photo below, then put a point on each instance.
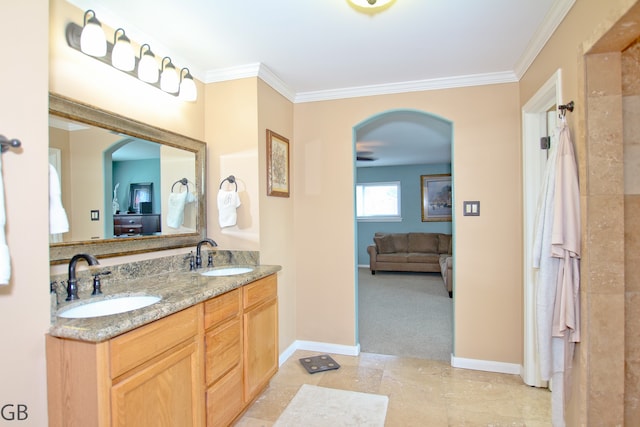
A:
(241, 348)
(204, 364)
(151, 376)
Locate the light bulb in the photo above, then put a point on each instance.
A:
(147, 67)
(188, 90)
(122, 56)
(92, 39)
(169, 78)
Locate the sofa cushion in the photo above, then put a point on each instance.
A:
(385, 244)
(444, 243)
(396, 257)
(424, 258)
(423, 242)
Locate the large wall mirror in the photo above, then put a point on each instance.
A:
(126, 187)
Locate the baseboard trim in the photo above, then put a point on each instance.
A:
(346, 350)
(485, 365)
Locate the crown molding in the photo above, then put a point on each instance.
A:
(552, 20)
(411, 86)
(269, 77)
(251, 70)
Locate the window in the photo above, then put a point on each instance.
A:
(378, 201)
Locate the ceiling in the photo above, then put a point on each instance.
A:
(324, 49)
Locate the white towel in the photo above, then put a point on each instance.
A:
(176, 203)
(228, 202)
(58, 221)
(5, 258)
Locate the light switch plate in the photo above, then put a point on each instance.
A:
(95, 215)
(471, 208)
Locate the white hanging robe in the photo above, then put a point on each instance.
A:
(556, 255)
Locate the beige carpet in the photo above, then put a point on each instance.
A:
(314, 406)
(405, 314)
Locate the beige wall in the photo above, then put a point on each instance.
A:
(486, 167)
(238, 114)
(277, 243)
(232, 149)
(24, 304)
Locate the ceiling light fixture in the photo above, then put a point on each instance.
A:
(370, 6)
(90, 40)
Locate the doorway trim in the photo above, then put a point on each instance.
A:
(534, 126)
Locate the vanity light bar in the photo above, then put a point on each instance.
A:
(186, 86)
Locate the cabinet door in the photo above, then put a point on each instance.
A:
(224, 399)
(260, 347)
(164, 393)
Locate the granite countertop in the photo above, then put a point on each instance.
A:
(179, 290)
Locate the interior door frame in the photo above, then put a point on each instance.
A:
(534, 126)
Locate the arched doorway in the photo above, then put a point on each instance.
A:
(400, 146)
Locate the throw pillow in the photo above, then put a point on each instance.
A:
(423, 242)
(384, 244)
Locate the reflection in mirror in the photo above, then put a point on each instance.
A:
(135, 178)
(126, 187)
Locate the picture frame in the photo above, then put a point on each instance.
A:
(277, 165)
(436, 197)
(140, 192)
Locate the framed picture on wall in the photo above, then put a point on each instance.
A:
(140, 195)
(277, 165)
(436, 197)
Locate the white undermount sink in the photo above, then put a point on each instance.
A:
(226, 271)
(110, 306)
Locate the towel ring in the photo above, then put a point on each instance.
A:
(231, 179)
(182, 181)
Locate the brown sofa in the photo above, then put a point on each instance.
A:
(414, 251)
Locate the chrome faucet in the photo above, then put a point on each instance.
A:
(198, 256)
(72, 284)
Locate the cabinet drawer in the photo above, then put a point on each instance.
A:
(221, 308)
(224, 399)
(127, 220)
(223, 349)
(136, 347)
(259, 291)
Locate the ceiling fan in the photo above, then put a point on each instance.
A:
(366, 156)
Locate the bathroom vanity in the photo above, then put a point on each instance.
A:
(198, 357)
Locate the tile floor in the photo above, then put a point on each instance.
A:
(423, 393)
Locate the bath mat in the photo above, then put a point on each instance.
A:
(314, 406)
(320, 363)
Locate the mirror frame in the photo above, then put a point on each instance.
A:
(104, 248)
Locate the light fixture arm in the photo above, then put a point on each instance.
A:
(122, 37)
(92, 20)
